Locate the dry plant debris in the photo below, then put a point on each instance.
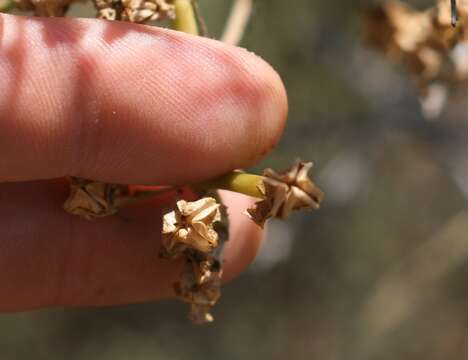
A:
(285, 192)
(136, 11)
(200, 286)
(91, 199)
(190, 226)
(189, 232)
(425, 42)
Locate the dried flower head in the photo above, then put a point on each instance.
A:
(199, 285)
(137, 11)
(92, 199)
(190, 226)
(423, 41)
(45, 7)
(286, 192)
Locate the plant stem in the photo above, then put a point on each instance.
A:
(237, 22)
(453, 4)
(185, 20)
(248, 184)
(6, 5)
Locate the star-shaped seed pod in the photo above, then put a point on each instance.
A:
(200, 286)
(91, 199)
(286, 192)
(140, 11)
(190, 226)
(137, 11)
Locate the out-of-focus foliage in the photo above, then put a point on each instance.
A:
(378, 273)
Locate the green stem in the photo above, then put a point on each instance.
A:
(6, 5)
(185, 20)
(248, 184)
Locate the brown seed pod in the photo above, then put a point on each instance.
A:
(190, 226)
(286, 192)
(91, 199)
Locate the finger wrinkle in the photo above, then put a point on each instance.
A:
(33, 123)
(124, 103)
(2, 21)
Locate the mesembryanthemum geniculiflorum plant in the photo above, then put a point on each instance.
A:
(195, 231)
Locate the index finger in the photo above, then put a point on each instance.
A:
(126, 103)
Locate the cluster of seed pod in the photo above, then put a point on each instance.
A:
(138, 11)
(196, 231)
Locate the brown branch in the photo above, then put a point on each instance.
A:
(200, 19)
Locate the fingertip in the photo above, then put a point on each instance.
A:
(131, 104)
(257, 106)
(269, 90)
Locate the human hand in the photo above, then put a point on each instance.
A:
(118, 103)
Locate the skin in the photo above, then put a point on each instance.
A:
(121, 103)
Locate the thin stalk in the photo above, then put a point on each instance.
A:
(453, 4)
(185, 20)
(6, 5)
(237, 22)
(200, 19)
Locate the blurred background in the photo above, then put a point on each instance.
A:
(378, 273)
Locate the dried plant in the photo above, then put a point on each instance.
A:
(93, 199)
(285, 192)
(200, 285)
(191, 226)
(431, 44)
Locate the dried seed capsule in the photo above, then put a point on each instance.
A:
(91, 199)
(200, 286)
(190, 226)
(137, 11)
(285, 192)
